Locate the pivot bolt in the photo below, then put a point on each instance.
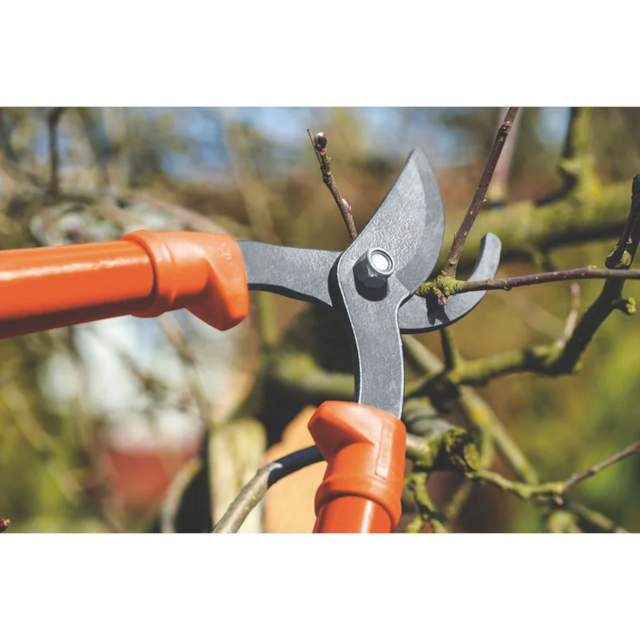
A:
(373, 268)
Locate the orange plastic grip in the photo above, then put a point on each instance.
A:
(202, 272)
(143, 274)
(365, 451)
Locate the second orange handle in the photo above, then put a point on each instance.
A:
(365, 451)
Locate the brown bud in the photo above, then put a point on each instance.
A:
(346, 205)
(320, 141)
(4, 524)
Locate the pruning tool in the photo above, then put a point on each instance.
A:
(370, 285)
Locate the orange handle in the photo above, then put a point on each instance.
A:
(143, 274)
(365, 451)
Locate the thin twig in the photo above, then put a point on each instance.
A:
(457, 502)
(451, 265)
(476, 411)
(498, 189)
(450, 352)
(53, 118)
(593, 518)
(483, 418)
(254, 491)
(564, 355)
(268, 475)
(617, 264)
(251, 189)
(319, 143)
(575, 163)
(175, 335)
(418, 448)
(506, 284)
(572, 318)
(426, 512)
(622, 255)
(175, 495)
(550, 490)
(621, 455)
(610, 298)
(256, 201)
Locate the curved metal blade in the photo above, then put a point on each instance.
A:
(419, 315)
(302, 274)
(408, 225)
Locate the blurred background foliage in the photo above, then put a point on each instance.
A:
(99, 424)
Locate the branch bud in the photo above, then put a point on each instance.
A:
(320, 141)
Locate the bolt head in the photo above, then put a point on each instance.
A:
(373, 268)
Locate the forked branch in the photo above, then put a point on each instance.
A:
(551, 490)
(617, 269)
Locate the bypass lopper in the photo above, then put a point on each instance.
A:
(370, 284)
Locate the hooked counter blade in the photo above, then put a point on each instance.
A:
(419, 315)
(303, 274)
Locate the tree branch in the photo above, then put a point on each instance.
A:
(443, 446)
(251, 189)
(610, 299)
(299, 373)
(319, 142)
(451, 264)
(426, 512)
(266, 477)
(452, 287)
(550, 491)
(477, 412)
(594, 519)
(563, 356)
(621, 455)
(423, 449)
(450, 352)
(572, 318)
(53, 119)
(527, 229)
(617, 264)
(482, 418)
(576, 164)
(498, 189)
